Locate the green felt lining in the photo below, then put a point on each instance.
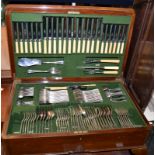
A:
(17, 111)
(30, 17)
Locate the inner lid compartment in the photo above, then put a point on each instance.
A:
(87, 45)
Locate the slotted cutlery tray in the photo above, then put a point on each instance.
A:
(36, 117)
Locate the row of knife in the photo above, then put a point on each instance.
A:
(67, 35)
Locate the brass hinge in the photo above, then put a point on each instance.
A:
(120, 79)
(16, 80)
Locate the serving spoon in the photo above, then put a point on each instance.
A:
(27, 62)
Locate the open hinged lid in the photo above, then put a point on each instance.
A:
(68, 41)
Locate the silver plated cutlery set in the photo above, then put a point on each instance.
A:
(123, 118)
(37, 122)
(25, 96)
(75, 119)
(115, 94)
(79, 117)
(91, 66)
(53, 70)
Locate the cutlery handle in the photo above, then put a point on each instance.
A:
(116, 94)
(111, 67)
(54, 62)
(89, 85)
(56, 88)
(109, 61)
(110, 72)
(29, 71)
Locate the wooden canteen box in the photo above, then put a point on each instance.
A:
(69, 93)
